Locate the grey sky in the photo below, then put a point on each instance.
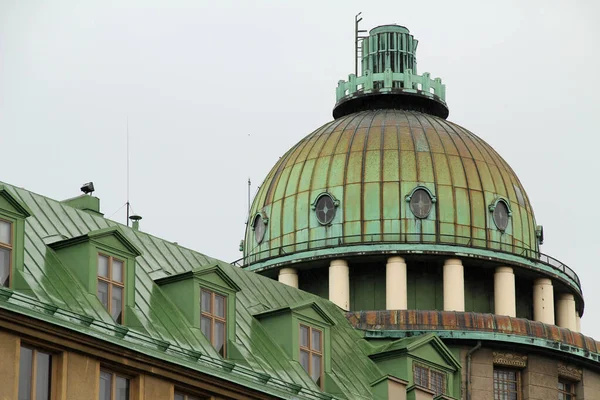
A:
(216, 91)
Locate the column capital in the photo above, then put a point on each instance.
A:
(504, 270)
(453, 261)
(338, 263)
(288, 271)
(395, 260)
(566, 296)
(542, 281)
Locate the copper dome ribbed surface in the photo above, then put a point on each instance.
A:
(370, 161)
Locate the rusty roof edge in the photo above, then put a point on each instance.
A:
(397, 323)
(545, 344)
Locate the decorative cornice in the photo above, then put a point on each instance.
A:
(509, 359)
(569, 372)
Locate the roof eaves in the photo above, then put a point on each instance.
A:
(16, 203)
(137, 341)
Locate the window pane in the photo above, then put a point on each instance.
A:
(5, 236)
(304, 359)
(25, 367)
(117, 271)
(4, 266)
(315, 340)
(205, 327)
(122, 388)
(103, 293)
(219, 306)
(105, 385)
(303, 336)
(421, 376)
(116, 306)
(42, 376)
(220, 338)
(102, 266)
(179, 396)
(315, 372)
(438, 382)
(205, 301)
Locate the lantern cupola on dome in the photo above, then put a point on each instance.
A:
(389, 78)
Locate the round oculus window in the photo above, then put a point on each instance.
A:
(325, 209)
(259, 229)
(420, 203)
(500, 215)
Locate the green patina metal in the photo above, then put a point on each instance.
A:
(554, 270)
(371, 161)
(544, 344)
(162, 323)
(389, 67)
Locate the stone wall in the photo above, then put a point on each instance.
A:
(539, 374)
(76, 374)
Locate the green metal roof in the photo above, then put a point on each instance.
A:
(371, 162)
(56, 296)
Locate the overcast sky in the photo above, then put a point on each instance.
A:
(215, 92)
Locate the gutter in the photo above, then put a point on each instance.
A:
(469, 354)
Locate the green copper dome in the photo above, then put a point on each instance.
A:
(369, 165)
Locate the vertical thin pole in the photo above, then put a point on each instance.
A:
(356, 21)
(249, 184)
(128, 170)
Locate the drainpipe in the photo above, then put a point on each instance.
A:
(469, 353)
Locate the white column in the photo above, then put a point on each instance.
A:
(396, 296)
(566, 316)
(543, 301)
(578, 322)
(289, 276)
(339, 283)
(454, 285)
(505, 302)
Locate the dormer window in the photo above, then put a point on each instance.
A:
(104, 263)
(111, 285)
(311, 352)
(429, 378)
(213, 321)
(5, 252)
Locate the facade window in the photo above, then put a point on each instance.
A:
(429, 378)
(259, 229)
(566, 390)
(325, 209)
(35, 374)
(113, 386)
(507, 384)
(500, 215)
(111, 286)
(311, 353)
(6, 241)
(183, 396)
(213, 319)
(420, 203)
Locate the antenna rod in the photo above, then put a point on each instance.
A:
(249, 184)
(128, 171)
(356, 21)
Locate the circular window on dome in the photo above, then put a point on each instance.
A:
(325, 208)
(500, 215)
(421, 203)
(259, 229)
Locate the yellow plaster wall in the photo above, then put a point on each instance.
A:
(9, 365)
(83, 374)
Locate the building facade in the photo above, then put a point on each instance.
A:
(390, 254)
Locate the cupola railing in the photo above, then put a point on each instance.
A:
(388, 81)
(410, 238)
